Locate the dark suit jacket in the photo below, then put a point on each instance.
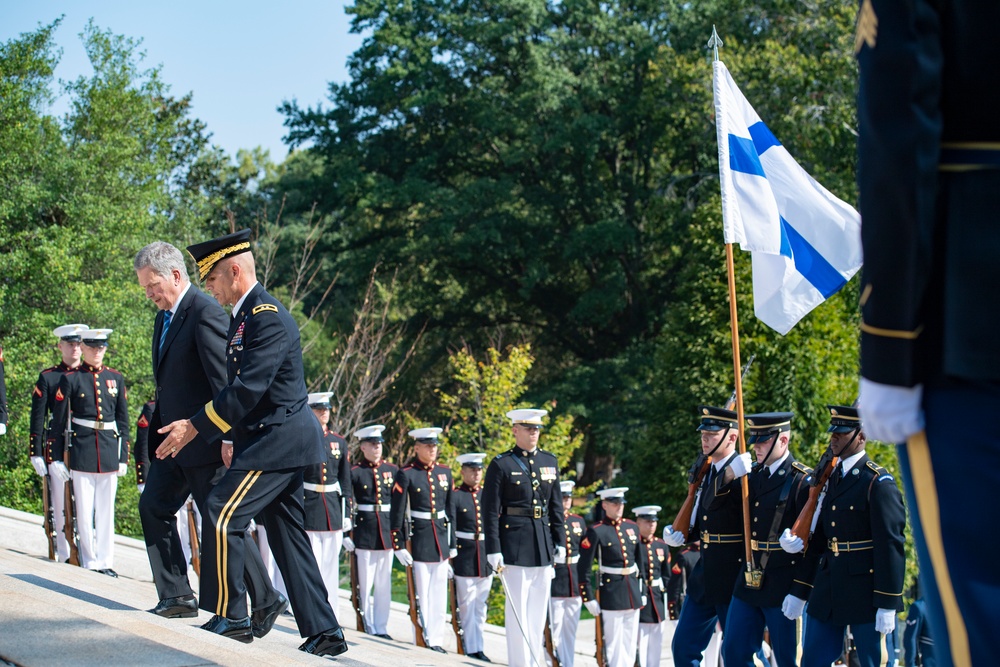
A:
(189, 370)
(263, 407)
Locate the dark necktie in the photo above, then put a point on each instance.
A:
(838, 474)
(167, 315)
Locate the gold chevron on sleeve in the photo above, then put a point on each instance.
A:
(866, 31)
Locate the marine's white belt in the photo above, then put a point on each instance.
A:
(429, 516)
(97, 426)
(563, 560)
(322, 488)
(619, 570)
(461, 534)
(374, 508)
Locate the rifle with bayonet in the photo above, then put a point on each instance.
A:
(193, 538)
(456, 619)
(48, 519)
(698, 470)
(359, 615)
(416, 613)
(550, 646)
(69, 504)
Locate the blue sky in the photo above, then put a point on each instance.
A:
(240, 59)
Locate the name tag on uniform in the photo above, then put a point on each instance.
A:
(548, 473)
(516, 473)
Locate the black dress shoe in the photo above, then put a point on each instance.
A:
(437, 648)
(227, 627)
(185, 606)
(480, 656)
(108, 571)
(385, 636)
(263, 619)
(330, 643)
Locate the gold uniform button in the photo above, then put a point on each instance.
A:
(833, 507)
(833, 523)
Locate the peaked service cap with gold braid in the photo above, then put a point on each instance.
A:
(843, 419)
(210, 253)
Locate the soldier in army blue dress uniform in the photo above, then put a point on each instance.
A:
(328, 494)
(621, 574)
(858, 543)
(371, 537)
(778, 490)
(422, 504)
(91, 401)
(565, 605)
(656, 554)
(43, 398)
(717, 520)
(473, 575)
(523, 521)
(263, 410)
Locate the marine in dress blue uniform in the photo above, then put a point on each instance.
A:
(717, 520)
(565, 605)
(91, 400)
(43, 436)
(656, 555)
(263, 410)
(422, 530)
(328, 495)
(473, 575)
(776, 596)
(856, 553)
(523, 521)
(928, 174)
(614, 544)
(371, 538)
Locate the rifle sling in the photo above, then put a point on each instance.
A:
(779, 513)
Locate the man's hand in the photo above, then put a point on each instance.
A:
(560, 554)
(347, 525)
(890, 413)
(227, 452)
(741, 465)
(141, 487)
(3, 429)
(176, 435)
(348, 543)
(791, 543)
(885, 621)
(61, 472)
(594, 607)
(38, 463)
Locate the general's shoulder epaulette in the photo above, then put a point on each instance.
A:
(264, 307)
(802, 468)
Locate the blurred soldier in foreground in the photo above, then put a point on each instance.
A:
(473, 576)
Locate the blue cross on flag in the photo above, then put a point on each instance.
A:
(805, 243)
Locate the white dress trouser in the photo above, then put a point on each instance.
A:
(621, 629)
(431, 583)
(270, 566)
(375, 581)
(472, 593)
(650, 644)
(564, 618)
(95, 517)
(528, 591)
(58, 493)
(326, 546)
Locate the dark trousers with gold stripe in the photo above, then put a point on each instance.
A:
(167, 488)
(277, 497)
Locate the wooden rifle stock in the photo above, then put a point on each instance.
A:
(48, 521)
(69, 503)
(359, 617)
(682, 522)
(193, 539)
(456, 620)
(602, 658)
(411, 591)
(803, 524)
(550, 646)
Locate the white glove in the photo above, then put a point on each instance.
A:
(348, 543)
(453, 553)
(450, 571)
(791, 543)
(39, 464)
(885, 621)
(561, 554)
(347, 524)
(3, 429)
(741, 465)
(495, 561)
(673, 537)
(404, 557)
(594, 607)
(122, 469)
(643, 600)
(792, 607)
(61, 472)
(890, 413)
(141, 487)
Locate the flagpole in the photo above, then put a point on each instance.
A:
(714, 42)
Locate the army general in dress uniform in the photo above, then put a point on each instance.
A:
(91, 401)
(775, 595)
(655, 553)
(523, 521)
(371, 537)
(473, 575)
(565, 605)
(717, 520)
(263, 410)
(43, 398)
(422, 513)
(858, 543)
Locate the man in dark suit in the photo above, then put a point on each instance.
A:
(263, 408)
(189, 368)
